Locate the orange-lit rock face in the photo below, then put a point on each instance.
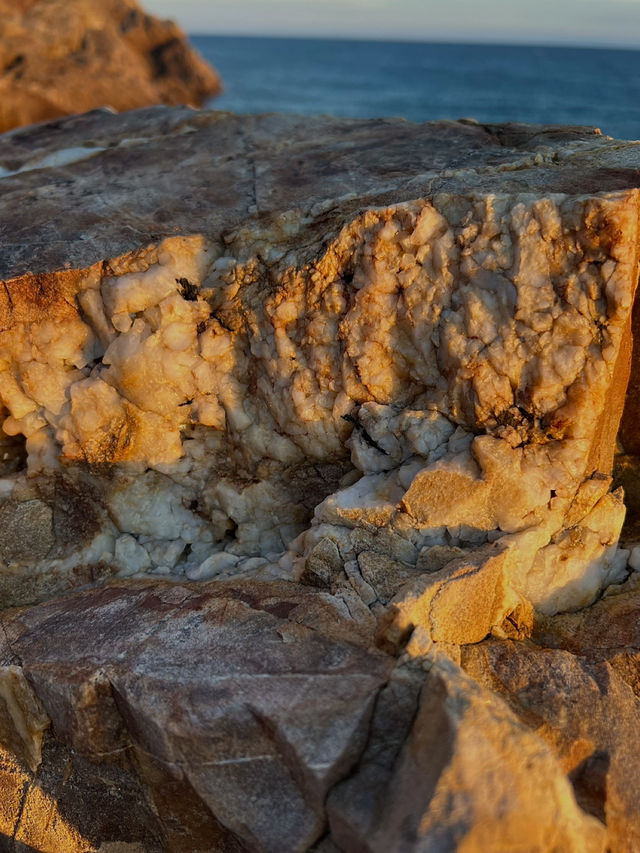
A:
(447, 369)
(377, 403)
(67, 56)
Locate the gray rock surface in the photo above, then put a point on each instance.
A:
(121, 195)
(249, 716)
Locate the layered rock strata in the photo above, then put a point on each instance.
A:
(367, 379)
(59, 57)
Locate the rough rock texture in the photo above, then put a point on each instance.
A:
(283, 354)
(585, 711)
(67, 56)
(368, 377)
(253, 716)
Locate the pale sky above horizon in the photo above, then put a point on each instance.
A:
(595, 22)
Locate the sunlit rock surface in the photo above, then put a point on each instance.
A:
(332, 408)
(211, 381)
(258, 716)
(59, 57)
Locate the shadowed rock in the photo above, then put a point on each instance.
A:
(240, 710)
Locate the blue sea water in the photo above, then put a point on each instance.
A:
(421, 82)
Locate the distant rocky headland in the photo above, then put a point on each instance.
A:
(310, 517)
(59, 57)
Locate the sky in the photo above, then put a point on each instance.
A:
(590, 22)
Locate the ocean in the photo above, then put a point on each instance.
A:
(421, 82)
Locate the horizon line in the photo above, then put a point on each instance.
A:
(434, 40)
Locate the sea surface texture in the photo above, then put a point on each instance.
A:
(421, 82)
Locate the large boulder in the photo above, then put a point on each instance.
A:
(258, 716)
(314, 407)
(227, 353)
(67, 56)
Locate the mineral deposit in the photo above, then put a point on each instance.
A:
(331, 403)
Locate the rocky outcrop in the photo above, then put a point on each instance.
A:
(570, 702)
(340, 439)
(254, 716)
(67, 56)
(219, 382)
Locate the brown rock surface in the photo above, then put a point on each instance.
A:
(366, 377)
(586, 712)
(461, 780)
(222, 717)
(67, 56)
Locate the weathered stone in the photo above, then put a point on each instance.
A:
(322, 564)
(26, 531)
(355, 806)
(587, 714)
(236, 708)
(76, 805)
(385, 575)
(435, 557)
(67, 56)
(22, 720)
(407, 343)
(396, 378)
(461, 603)
(608, 631)
(239, 690)
(461, 780)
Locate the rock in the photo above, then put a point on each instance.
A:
(239, 694)
(68, 56)
(586, 712)
(235, 716)
(212, 566)
(356, 805)
(22, 719)
(452, 769)
(26, 531)
(377, 402)
(348, 351)
(462, 603)
(386, 576)
(72, 803)
(322, 564)
(608, 631)
(435, 557)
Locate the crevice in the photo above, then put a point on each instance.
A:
(17, 661)
(9, 297)
(368, 739)
(13, 452)
(23, 801)
(365, 435)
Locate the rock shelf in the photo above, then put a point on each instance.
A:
(449, 368)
